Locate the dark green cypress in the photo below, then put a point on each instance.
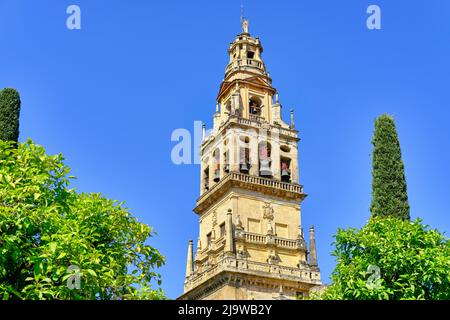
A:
(389, 194)
(9, 114)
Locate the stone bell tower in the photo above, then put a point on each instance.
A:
(251, 243)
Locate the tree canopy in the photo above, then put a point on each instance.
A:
(9, 114)
(389, 194)
(56, 243)
(391, 259)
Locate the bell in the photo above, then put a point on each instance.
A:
(244, 167)
(264, 169)
(216, 176)
(285, 175)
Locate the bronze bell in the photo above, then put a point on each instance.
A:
(244, 167)
(264, 168)
(216, 175)
(285, 175)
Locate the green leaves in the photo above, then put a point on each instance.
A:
(48, 232)
(414, 262)
(389, 194)
(9, 115)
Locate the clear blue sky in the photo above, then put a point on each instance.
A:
(109, 96)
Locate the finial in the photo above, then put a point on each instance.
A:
(300, 231)
(312, 248)
(199, 244)
(238, 222)
(244, 21)
(292, 119)
(229, 246)
(269, 228)
(203, 130)
(190, 261)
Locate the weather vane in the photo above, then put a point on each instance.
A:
(244, 21)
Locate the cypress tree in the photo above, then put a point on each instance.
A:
(389, 195)
(9, 114)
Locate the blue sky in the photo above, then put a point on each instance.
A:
(108, 97)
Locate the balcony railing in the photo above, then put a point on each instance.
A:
(255, 181)
(285, 186)
(302, 274)
(257, 121)
(257, 118)
(262, 239)
(244, 63)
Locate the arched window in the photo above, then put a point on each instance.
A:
(244, 155)
(265, 162)
(285, 165)
(226, 158)
(254, 106)
(216, 165)
(206, 176)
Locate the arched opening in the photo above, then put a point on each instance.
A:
(254, 106)
(244, 155)
(216, 165)
(206, 176)
(226, 158)
(285, 165)
(265, 162)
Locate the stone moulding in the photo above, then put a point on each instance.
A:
(266, 186)
(220, 273)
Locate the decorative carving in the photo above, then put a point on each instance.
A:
(239, 229)
(301, 243)
(244, 25)
(239, 223)
(214, 218)
(241, 253)
(269, 227)
(268, 211)
(273, 258)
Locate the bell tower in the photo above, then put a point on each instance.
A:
(251, 243)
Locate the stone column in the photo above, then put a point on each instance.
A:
(245, 98)
(211, 169)
(221, 160)
(234, 154)
(312, 249)
(275, 156)
(229, 245)
(190, 262)
(254, 155)
(294, 164)
(202, 177)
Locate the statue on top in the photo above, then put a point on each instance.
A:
(244, 25)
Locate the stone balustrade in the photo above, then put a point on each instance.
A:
(256, 181)
(266, 182)
(235, 65)
(303, 274)
(263, 239)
